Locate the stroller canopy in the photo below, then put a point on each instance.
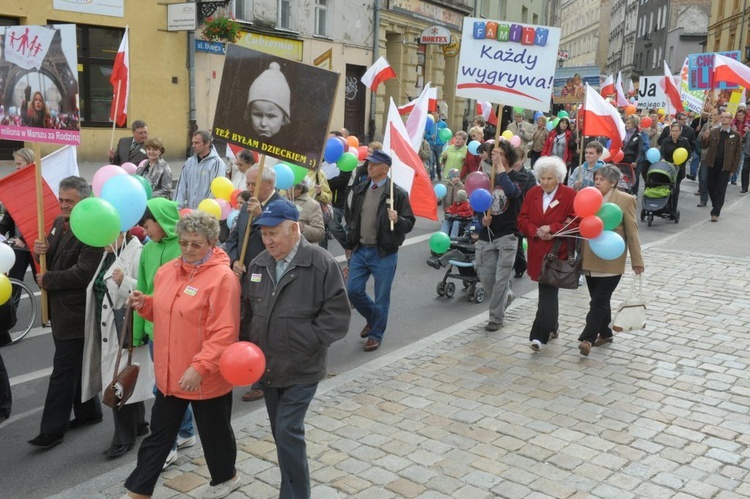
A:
(662, 171)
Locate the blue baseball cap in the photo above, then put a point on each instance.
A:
(276, 212)
(379, 156)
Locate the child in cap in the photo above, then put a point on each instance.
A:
(452, 187)
(457, 213)
(268, 102)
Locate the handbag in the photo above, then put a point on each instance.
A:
(327, 212)
(123, 382)
(119, 314)
(562, 274)
(631, 314)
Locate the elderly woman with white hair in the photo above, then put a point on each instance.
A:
(310, 215)
(546, 209)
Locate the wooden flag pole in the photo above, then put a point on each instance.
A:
(256, 193)
(114, 118)
(497, 139)
(40, 226)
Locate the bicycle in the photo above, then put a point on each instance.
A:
(24, 307)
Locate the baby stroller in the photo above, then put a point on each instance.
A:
(459, 260)
(658, 196)
(627, 181)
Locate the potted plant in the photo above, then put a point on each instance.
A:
(221, 29)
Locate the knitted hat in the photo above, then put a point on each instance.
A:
(453, 173)
(461, 196)
(271, 86)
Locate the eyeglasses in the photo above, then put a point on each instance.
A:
(196, 246)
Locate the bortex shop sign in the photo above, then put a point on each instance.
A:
(435, 35)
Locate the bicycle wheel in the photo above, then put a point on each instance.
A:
(26, 310)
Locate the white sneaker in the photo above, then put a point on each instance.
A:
(581, 280)
(171, 458)
(509, 300)
(223, 489)
(183, 442)
(536, 345)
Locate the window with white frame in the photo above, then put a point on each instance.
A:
(323, 9)
(284, 10)
(243, 10)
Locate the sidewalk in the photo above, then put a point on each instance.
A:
(470, 414)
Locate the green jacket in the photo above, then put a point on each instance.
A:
(154, 255)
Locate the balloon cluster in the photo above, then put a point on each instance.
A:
(345, 152)
(7, 260)
(598, 219)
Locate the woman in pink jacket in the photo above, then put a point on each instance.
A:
(196, 309)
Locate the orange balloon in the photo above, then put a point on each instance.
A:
(242, 363)
(352, 141)
(630, 110)
(233, 198)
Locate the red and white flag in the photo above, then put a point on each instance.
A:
(674, 102)
(608, 87)
(120, 80)
(728, 70)
(377, 74)
(407, 170)
(620, 99)
(484, 108)
(602, 119)
(415, 123)
(431, 102)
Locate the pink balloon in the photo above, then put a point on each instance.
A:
(515, 141)
(102, 175)
(129, 167)
(225, 206)
(354, 151)
(476, 180)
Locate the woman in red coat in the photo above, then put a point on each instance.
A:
(546, 209)
(558, 141)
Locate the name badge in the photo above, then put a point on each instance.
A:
(554, 203)
(189, 290)
(255, 277)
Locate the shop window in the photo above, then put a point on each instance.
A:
(322, 12)
(97, 48)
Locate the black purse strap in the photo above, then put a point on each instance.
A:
(125, 328)
(574, 250)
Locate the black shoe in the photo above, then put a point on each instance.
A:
(743, 191)
(46, 441)
(142, 430)
(434, 262)
(5, 339)
(701, 205)
(690, 177)
(118, 450)
(733, 182)
(519, 275)
(78, 423)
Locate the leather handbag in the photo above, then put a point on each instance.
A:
(631, 314)
(562, 274)
(123, 382)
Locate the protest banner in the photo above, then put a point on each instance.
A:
(508, 63)
(701, 70)
(651, 92)
(39, 92)
(568, 87)
(277, 107)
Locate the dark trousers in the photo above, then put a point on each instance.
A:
(128, 421)
(533, 156)
(286, 410)
(676, 193)
(600, 310)
(64, 390)
(745, 174)
(519, 265)
(6, 398)
(214, 420)
(547, 311)
(717, 188)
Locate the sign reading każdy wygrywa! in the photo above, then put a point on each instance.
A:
(274, 106)
(507, 63)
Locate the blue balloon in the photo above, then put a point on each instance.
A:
(231, 218)
(653, 155)
(549, 126)
(284, 176)
(608, 246)
(128, 196)
(333, 151)
(474, 147)
(440, 191)
(608, 145)
(429, 123)
(480, 200)
(537, 115)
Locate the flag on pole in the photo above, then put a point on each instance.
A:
(120, 78)
(484, 108)
(377, 74)
(431, 102)
(417, 120)
(620, 99)
(674, 102)
(601, 118)
(407, 170)
(728, 70)
(608, 87)
(631, 88)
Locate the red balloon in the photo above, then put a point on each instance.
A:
(185, 211)
(233, 198)
(646, 122)
(362, 152)
(242, 363)
(618, 156)
(476, 180)
(591, 227)
(587, 201)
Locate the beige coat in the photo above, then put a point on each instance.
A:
(311, 218)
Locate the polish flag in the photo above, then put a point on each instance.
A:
(728, 70)
(484, 108)
(674, 102)
(608, 87)
(120, 80)
(417, 120)
(407, 170)
(631, 88)
(431, 102)
(601, 119)
(377, 74)
(620, 99)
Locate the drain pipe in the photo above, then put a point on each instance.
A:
(375, 56)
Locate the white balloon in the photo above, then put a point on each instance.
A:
(7, 258)
(605, 154)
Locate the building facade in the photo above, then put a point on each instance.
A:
(729, 27)
(585, 29)
(622, 38)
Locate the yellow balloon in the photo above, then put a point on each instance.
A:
(211, 207)
(222, 188)
(680, 155)
(5, 289)
(507, 135)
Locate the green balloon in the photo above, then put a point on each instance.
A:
(95, 222)
(517, 110)
(146, 185)
(347, 162)
(563, 114)
(445, 134)
(440, 242)
(300, 172)
(525, 244)
(555, 122)
(611, 215)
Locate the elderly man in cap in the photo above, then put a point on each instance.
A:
(294, 308)
(378, 224)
